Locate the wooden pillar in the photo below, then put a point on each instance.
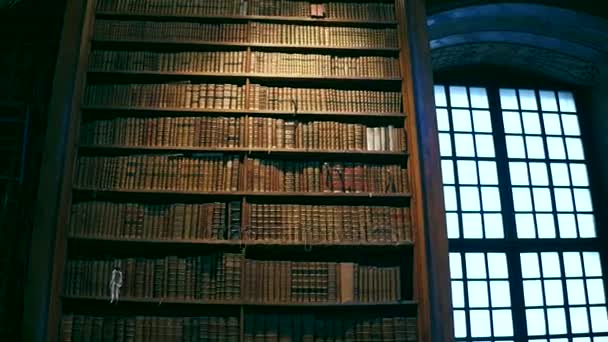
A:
(431, 257)
(42, 311)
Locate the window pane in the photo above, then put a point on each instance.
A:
(538, 173)
(552, 124)
(579, 175)
(476, 265)
(557, 321)
(449, 196)
(503, 323)
(566, 102)
(535, 147)
(457, 294)
(595, 291)
(452, 225)
(599, 319)
(464, 145)
(547, 101)
(447, 171)
(536, 321)
(497, 265)
(469, 198)
(576, 292)
(519, 173)
(511, 122)
(508, 99)
(461, 119)
(529, 265)
(499, 292)
(527, 99)
(481, 121)
(591, 260)
(478, 294)
(445, 145)
(575, 149)
(555, 145)
(467, 172)
(570, 123)
(440, 100)
(487, 173)
(559, 174)
(458, 96)
(480, 323)
(586, 225)
(493, 226)
(521, 199)
(567, 226)
(490, 198)
(515, 146)
(531, 122)
(572, 264)
(578, 320)
(443, 121)
(582, 198)
(455, 266)
(546, 226)
(460, 324)
(533, 293)
(542, 199)
(485, 145)
(479, 98)
(563, 200)
(471, 224)
(550, 262)
(525, 226)
(554, 292)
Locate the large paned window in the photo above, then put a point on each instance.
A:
(519, 217)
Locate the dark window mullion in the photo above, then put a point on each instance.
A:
(508, 217)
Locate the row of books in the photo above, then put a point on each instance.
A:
(231, 96)
(170, 31)
(235, 62)
(175, 221)
(192, 61)
(222, 132)
(323, 135)
(172, 95)
(159, 172)
(329, 36)
(254, 32)
(327, 327)
(78, 328)
(315, 176)
(325, 282)
(215, 276)
(257, 327)
(222, 221)
(341, 10)
(328, 223)
(323, 100)
(326, 65)
(216, 132)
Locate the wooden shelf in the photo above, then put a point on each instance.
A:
(241, 76)
(264, 46)
(344, 195)
(194, 302)
(245, 150)
(285, 19)
(239, 112)
(253, 243)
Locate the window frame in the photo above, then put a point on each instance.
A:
(510, 244)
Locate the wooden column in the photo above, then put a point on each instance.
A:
(42, 309)
(431, 268)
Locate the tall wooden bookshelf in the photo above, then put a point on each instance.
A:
(247, 166)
